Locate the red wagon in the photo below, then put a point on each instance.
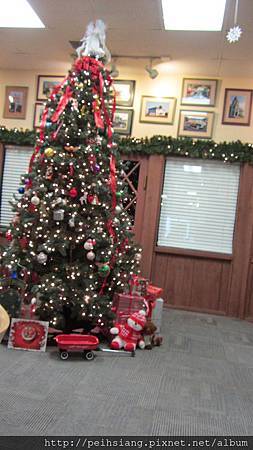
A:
(77, 343)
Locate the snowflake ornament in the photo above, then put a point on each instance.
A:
(234, 34)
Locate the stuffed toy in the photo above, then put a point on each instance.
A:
(129, 334)
(149, 334)
(157, 340)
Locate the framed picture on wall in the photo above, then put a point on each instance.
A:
(197, 124)
(157, 110)
(38, 111)
(122, 122)
(15, 102)
(198, 92)
(124, 90)
(45, 84)
(237, 107)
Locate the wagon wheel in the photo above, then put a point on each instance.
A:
(89, 356)
(64, 355)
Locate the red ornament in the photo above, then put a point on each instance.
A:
(28, 184)
(93, 199)
(23, 242)
(8, 236)
(31, 208)
(35, 277)
(92, 159)
(73, 192)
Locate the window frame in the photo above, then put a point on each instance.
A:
(206, 254)
(3, 148)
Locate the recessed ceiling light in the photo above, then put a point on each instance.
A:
(193, 15)
(18, 14)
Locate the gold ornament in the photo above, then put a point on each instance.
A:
(71, 148)
(83, 110)
(49, 152)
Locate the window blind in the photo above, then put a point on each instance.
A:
(198, 205)
(16, 163)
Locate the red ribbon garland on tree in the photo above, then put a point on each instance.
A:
(62, 104)
(94, 67)
(55, 91)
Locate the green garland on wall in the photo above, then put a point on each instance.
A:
(17, 137)
(156, 145)
(190, 148)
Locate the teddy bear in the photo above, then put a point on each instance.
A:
(127, 336)
(148, 334)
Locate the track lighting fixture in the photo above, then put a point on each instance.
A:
(114, 72)
(153, 73)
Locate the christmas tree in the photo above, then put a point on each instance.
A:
(70, 238)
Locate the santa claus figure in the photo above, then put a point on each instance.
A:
(129, 334)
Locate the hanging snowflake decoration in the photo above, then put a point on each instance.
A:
(234, 34)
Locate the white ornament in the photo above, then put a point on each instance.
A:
(72, 222)
(95, 200)
(58, 214)
(99, 139)
(93, 42)
(42, 258)
(118, 209)
(56, 202)
(33, 301)
(138, 256)
(88, 245)
(90, 256)
(234, 34)
(83, 199)
(116, 221)
(74, 104)
(35, 200)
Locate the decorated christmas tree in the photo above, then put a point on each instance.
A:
(70, 238)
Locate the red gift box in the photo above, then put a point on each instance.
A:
(138, 285)
(153, 292)
(126, 304)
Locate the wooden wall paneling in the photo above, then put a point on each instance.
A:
(159, 272)
(224, 285)
(151, 211)
(191, 283)
(179, 281)
(206, 284)
(248, 313)
(242, 239)
(249, 299)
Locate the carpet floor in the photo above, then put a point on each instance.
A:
(200, 382)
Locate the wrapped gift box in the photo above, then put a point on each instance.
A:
(157, 312)
(126, 304)
(138, 286)
(153, 292)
